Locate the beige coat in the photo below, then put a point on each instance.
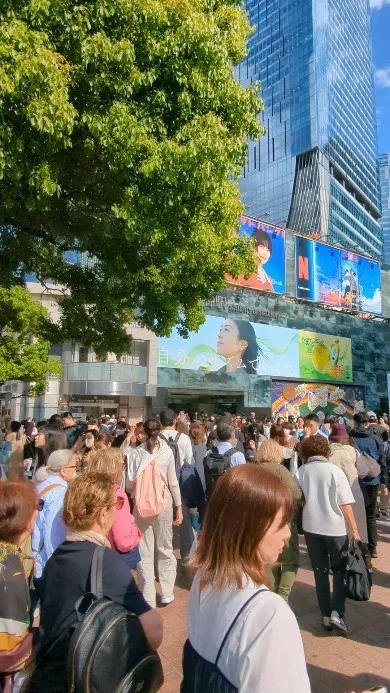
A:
(344, 456)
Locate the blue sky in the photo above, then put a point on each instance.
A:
(380, 22)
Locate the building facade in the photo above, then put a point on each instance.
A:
(384, 177)
(315, 169)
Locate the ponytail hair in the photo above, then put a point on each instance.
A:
(152, 428)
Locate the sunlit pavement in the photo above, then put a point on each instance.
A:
(335, 664)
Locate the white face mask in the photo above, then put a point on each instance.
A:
(89, 442)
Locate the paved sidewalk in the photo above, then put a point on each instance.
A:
(335, 664)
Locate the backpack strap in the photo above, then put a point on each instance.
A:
(48, 488)
(233, 623)
(229, 453)
(97, 571)
(164, 438)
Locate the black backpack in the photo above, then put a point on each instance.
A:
(173, 445)
(202, 676)
(215, 464)
(358, 580)
(108, 650)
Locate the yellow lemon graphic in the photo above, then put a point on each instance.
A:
(320, 357)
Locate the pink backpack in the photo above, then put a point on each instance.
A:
(150, 491)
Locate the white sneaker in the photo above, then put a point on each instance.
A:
(338, 623)
(167, 600)
(326, 623)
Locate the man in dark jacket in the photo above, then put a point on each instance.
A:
(367, 441)
(72, 430)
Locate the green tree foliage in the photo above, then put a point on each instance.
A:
(122, 129)
(24, 348)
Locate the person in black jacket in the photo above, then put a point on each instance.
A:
(366, 441)
(89, 509)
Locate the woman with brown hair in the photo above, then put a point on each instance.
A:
(124, 535)
(19, 507)
(271, 456)
(198, 437)
(238, 631)
(89, 512)
(104, 440)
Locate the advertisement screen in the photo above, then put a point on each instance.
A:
(301, 399)
(239, 346)
(324, 357)
(233, 346)
(270, 257)
(337, 277)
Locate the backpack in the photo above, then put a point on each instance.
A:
(151, 495)
(202, 676)
(215, 464)
(108, 650)
(173, 445)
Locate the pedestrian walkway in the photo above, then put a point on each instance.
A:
(335, 664)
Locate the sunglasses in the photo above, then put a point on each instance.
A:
(40, 504)
(119, 503)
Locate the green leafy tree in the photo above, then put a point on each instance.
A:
(24, 348)
(122, 129)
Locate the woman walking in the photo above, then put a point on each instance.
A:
(271, 456)
(156, 530)
(19, 507)
(124, 535)
(52, 482)
(240, 634)
(89, 511)
(327, 517)
(344, 455)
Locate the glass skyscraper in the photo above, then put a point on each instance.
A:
(315, 170)
(384, 177)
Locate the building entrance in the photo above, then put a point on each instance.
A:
(197, 402)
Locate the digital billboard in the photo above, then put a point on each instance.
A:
(324, 357)
(239, 346)
(301, 399)
(337, 277)
(270, 257)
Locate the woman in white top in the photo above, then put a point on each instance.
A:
(156, 531)
(327, 516)
(241, 636)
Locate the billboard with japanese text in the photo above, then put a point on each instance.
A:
(269, 255)
(337, 277)
(239, 346)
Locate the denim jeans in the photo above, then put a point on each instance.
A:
(329, 552)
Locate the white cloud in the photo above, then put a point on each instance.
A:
(378, 4)
(382, 77)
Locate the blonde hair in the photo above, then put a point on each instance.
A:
(85, 497)
(107, 461)
(270, 451)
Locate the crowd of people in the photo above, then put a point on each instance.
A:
(68, 487)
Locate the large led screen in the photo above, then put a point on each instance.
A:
(270, 257)
(337, 277)
(301, 399)
(239, 346)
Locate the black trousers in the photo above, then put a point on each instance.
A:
(329, 552)
(371, 509)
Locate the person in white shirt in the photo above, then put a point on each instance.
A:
(237, 628)
(327, 517)
(156, 540)
(188, 538)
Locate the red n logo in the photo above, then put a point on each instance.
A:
(303, 267)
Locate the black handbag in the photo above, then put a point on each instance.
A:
(358, 582)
